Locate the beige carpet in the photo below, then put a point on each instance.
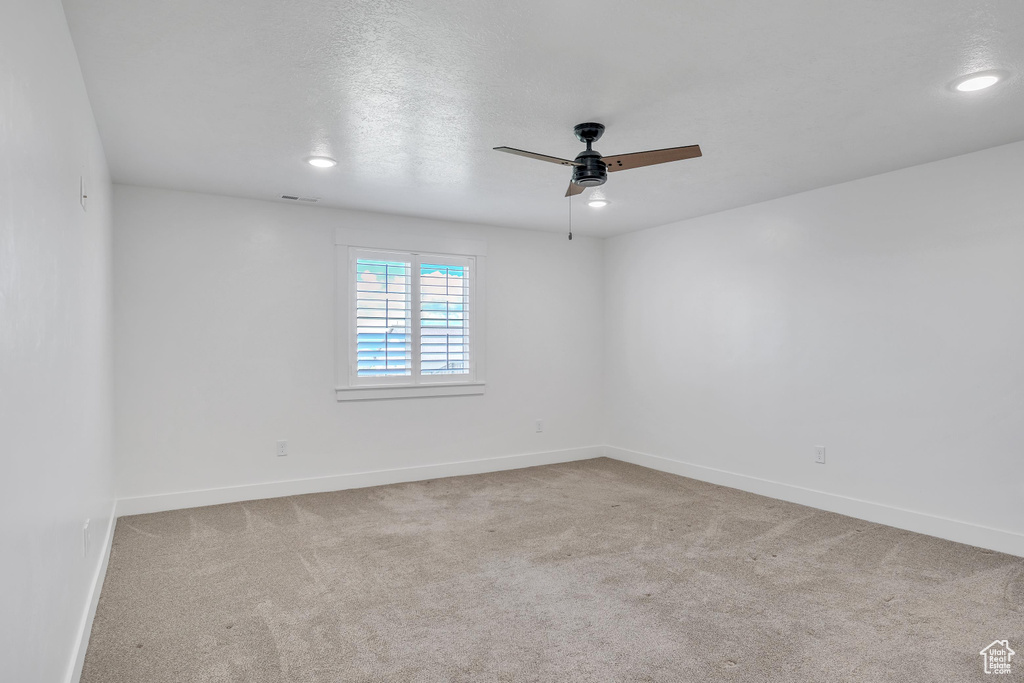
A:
(586, 571)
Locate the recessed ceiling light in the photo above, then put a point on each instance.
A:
(977, 81)
(597, 203)
(321, 162)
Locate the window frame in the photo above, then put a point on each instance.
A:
(416, 249)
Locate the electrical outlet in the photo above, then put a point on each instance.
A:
(85, 539)
(282, 448)
(540, 426)
(819, 455)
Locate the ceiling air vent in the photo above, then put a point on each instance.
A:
(294, 198)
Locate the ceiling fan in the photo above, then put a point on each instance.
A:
(590, 169)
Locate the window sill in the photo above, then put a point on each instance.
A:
(418, 391)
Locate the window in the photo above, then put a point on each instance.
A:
(412, 323)
(411, 317)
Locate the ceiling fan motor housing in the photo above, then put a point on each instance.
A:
(592, 172)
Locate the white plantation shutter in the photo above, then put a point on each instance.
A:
(444, 310)
(383, 293)
(413, 318)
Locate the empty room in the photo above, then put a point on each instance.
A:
(419, 341)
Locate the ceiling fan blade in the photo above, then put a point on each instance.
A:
(574, 190)
(534, 155)
(624, 162)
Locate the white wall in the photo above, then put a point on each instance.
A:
(882, 318)
(224, 323)
(55, 367)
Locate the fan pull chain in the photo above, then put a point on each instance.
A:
(570, 218)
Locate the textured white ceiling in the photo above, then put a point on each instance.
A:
(229, 97)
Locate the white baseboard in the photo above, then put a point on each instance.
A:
(233, 494)
(941, 527)
(85, 626)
